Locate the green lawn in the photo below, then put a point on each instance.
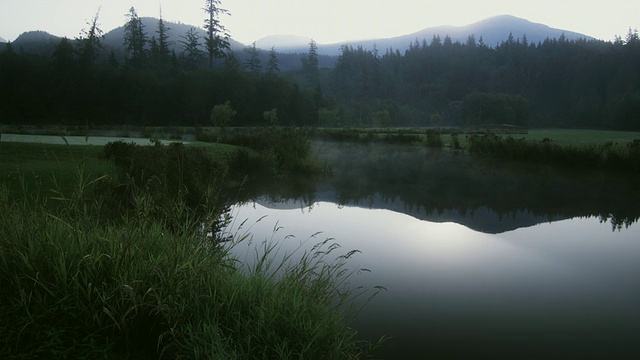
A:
(48, 165)
(29, 160)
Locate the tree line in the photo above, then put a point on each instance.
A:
(559, 82)
(153, 86)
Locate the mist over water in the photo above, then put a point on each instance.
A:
(479, 259)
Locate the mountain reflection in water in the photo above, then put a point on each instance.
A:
(445, 186)
(561, 289)
(480, 259)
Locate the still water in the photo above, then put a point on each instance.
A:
(487, 278)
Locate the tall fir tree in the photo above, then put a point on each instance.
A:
(310, 65)
(192, 53)
(135, 40)
(163, 39)
(89, 41)
(272, 63)
(217, 40)
(253, 63)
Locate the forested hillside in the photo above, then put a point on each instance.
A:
(437, 82)
(555, 83)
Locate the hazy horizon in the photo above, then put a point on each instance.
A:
(328, 21)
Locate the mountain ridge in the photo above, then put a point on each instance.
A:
(115, 37)
(493, 31)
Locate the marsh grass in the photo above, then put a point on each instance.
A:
(315, 276)
(153, 282)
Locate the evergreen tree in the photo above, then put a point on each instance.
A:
(135, 39)
(471, 41)
(253, 64)
(272, 63)
(436, 42)
(163, 39)
(192, 54)
(231, 62)
(113, 62)
(63, 55)
(89, 41)
(310, 65)
(154, 52)
(8, 49)
(217, 40)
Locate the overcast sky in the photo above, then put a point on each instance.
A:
(326, 21)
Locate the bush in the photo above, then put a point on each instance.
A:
(223, 115)
(455, 140)
(434, 139)
(289, 148)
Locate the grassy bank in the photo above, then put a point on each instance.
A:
(111, 260)
(581, 137)
(608, 156)
(564, 137)
(27, 167)
(570, 148)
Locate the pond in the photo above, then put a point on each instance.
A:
(479, 259)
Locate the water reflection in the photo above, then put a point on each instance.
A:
(444, 186)
(563, 288)
(481, 260)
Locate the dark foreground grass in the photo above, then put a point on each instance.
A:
(135, 285)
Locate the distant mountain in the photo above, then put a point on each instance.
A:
(2, 40)
(43, 43)
(36, 42)
(115, 37)
(284, 43)
(493, 31)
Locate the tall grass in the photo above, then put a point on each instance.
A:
(284, 150)
(149, 286)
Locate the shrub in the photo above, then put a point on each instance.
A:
(434, 139)
(271, 117)
(289, 148)
(223, 115)
(455, 140)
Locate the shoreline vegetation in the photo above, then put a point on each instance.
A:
(104, 252)
(110, 259)
(576, 148)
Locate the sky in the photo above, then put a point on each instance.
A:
(326, 21)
